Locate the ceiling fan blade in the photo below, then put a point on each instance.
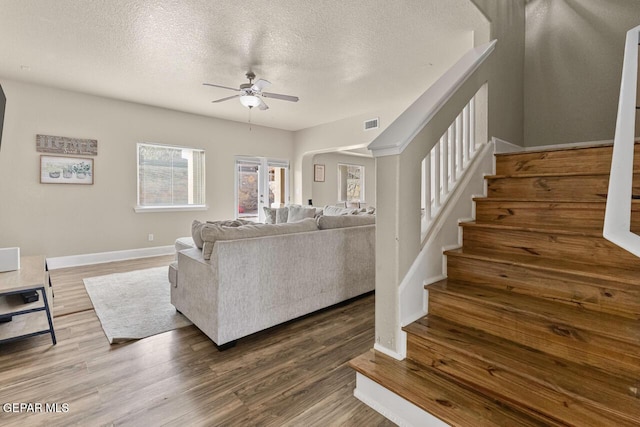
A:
(223, 87)
(260, 84)
(227, 98)
(262, 105)
(279, 96)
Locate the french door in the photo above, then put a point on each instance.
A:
(260, 182)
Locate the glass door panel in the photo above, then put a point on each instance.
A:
(248, 194)
(260, 182)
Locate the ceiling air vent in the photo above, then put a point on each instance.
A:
(371, 124)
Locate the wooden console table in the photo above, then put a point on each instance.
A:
(28, 319)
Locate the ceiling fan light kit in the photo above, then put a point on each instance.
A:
(251, 93)
(249, 101)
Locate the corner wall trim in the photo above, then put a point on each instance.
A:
(103, 257)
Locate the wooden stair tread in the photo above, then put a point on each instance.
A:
(605, 324)
(546, 175)
(544, 201)
(569, 231)
(452, 402)
(594, 389)
(623, 276)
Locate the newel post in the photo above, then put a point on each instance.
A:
(398, 181)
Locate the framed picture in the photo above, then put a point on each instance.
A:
(318, 173)
(66, 170)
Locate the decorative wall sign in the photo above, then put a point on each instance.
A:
(318, 173)
(63, 145)
(66, 170)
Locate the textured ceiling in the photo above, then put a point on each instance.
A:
(342, 58)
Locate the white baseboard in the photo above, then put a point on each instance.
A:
(391, 353)
(103, 257)
(501, 146)
(392, 406)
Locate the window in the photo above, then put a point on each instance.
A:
(170, 177)
(350, 183)
(260, 182)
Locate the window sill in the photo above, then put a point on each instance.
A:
(186, 208)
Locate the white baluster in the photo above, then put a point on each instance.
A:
(459, 146)
(472, 125)
(444, 175)
(426, 187)
(466, 134)
(436, 159)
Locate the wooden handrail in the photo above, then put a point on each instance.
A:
(617, 221)
(397, 136)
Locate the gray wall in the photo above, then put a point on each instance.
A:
(573, 64)
(506, 95)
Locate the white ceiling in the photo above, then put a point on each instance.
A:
(342, 58)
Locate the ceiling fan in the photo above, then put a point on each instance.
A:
(251, 94)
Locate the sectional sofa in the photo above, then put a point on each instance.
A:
(235, 279)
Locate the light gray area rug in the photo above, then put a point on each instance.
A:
(134, 305)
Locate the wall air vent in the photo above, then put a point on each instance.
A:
(371, 124)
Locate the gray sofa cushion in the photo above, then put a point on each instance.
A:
(213, 233)
(298, 213)
(329, 210)
(327, 222)
(197, 226)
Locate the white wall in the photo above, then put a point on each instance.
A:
(59, 220)
(573, 64)
(326, 193)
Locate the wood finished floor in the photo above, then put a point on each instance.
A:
(291, 375)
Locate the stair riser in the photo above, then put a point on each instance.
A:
(583, 188)
(587, 249)
(583, 215)
(592, 160)
(589, 293)
(509, 386)
(539, 332)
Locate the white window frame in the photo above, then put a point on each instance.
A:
(362, 183)
(169, 208)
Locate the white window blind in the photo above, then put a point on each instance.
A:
(170, 176)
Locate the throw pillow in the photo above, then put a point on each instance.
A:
(275, 215)
(196, 227)
(269, 215)
(282, 215)
(298, 213)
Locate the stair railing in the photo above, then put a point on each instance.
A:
(446, 163)
(399, 152)
(617, 221)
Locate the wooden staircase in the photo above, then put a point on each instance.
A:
(538, 322)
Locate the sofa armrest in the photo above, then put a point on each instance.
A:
(197, 293)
